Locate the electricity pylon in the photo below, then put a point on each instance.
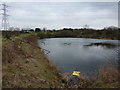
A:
(5, 23)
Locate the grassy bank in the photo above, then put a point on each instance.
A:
(26, 66)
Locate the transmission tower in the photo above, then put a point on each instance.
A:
(5, 23)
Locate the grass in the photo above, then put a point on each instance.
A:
(26, 66)
(12, 69)
(5, 41)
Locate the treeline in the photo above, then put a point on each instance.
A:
(106, 33)
(81, 33)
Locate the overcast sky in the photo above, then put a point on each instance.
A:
(56, 15)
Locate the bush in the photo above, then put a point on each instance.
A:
(41, 35)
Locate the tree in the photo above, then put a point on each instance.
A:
(37, 30)
(31, 30)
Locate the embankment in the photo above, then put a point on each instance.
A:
(26, 66)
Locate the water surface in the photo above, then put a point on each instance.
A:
(82, 54)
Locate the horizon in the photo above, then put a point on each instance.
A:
(42, 29)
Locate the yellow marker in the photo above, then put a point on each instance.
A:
(76, 73)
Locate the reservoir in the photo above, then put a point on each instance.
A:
(80, 54)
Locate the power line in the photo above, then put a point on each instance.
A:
(5, 24)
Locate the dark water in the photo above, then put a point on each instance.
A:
(84, 55)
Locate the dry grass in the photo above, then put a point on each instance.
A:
(108, 74)
(107, 78)
(26, 66)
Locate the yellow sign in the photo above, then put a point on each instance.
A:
(76, 73)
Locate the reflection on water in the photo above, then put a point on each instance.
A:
(103, 45)
(79, 54)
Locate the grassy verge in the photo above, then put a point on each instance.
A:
(26, 66)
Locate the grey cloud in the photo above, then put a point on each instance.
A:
(63, 14)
